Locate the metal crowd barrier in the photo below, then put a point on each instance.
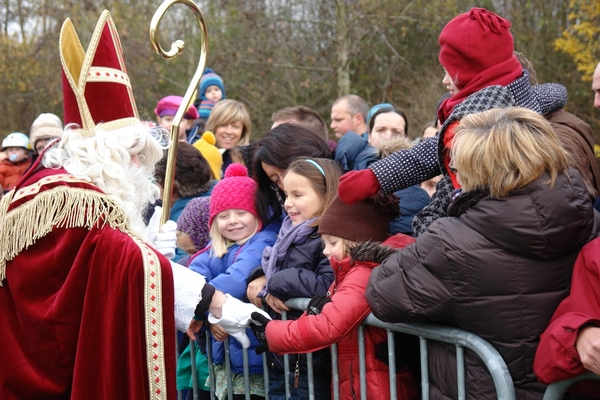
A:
(425, 331)
(557, 390)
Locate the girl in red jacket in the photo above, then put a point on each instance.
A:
(352, 235)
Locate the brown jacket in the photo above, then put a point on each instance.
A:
(497, 268)
(577, 139)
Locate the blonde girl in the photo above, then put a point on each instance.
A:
(236, 247)
(296, 267)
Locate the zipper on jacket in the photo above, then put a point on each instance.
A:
(352, 381)
(297, 373)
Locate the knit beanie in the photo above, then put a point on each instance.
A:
(235, 191)
(209, 78)
(473, 42)
(46, 125)
(169, 106)
(206, 146)
(376, 108)
(193, 221)
(358, 222)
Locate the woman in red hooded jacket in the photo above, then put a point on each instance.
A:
(352, 235)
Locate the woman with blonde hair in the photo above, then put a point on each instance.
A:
(500, 263)
(229, 121)
(481, 73)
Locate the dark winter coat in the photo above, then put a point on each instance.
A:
(354, 152)
(412, 200)
(486, 99)
(304, 272)
(577, 138)
(497, 268)
(415, 165)
(338, 323)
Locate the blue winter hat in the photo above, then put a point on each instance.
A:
(209, 78)
(375, 108)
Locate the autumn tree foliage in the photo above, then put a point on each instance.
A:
(581, 37)
(278, 53)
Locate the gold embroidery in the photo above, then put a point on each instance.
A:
(155, 346)
(105, 74)
(61, 206)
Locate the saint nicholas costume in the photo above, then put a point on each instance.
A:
(87, 307)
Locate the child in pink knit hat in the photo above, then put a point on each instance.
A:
(236, 248)
(166, 109)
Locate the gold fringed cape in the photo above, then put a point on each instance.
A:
(86, 308)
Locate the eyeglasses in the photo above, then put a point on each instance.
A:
(276, 182)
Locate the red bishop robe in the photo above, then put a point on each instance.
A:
(86, 308)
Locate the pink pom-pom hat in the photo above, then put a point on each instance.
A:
(235, 191)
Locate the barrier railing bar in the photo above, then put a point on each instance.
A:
(460, 372)
(246, 372)
(211, 373)
(335, 372)
(286, 364)
(460, 338)
(362, 368)
(557, 390)
(228, 370)
(485, 351)
(311, 377)
(193, 360)
(424, 368)
(392, 363)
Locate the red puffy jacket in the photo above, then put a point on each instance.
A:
(10, 173)
(339, 321)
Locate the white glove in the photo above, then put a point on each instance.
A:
(188, 287)
(165, 239)
(236, 318)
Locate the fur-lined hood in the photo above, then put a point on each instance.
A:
(374, 252)
(393, 144)
(377, 252)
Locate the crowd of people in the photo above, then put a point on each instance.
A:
(485, 222)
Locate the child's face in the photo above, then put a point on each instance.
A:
(430, 185)
(302, 202)
(236, 224)
(185, 243)
(450, 85)
(16, 154)
(167, 122)
(334, 247)
(213, 93)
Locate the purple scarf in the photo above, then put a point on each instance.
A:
(288, 235)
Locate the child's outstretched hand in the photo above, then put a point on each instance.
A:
(193, 328)
(218, 332)
(276, 304)
(254, 287)
(258, 326)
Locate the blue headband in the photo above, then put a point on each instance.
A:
(313, 162)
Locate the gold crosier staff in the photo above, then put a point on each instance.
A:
(176, 49)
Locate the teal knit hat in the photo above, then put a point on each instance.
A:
(209, 78)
